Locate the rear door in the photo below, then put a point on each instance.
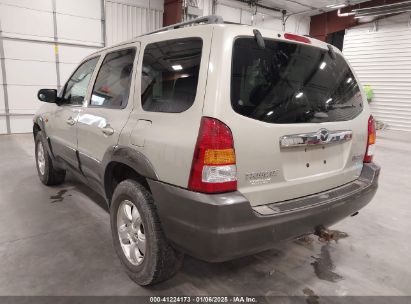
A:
(100, 124)
(172, 80)
(297, 117)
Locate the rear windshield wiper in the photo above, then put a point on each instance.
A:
(259, 39)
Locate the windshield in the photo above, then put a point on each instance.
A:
(292, 83)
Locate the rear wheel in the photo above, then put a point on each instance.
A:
(138, 237)
(45, 169)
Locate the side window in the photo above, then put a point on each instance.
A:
(76, 88)
(170, 75)
(112, 86)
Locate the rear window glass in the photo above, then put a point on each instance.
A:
(170, 75)
(292, 83)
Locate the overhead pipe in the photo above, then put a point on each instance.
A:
(376, 11)
(381, 12)
(400, 5)
(339, 14)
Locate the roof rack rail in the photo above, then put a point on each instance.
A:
(211, 19)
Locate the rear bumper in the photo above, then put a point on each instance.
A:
(221, 227)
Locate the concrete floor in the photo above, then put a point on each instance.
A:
(57, 241)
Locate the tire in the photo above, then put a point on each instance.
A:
(160, 261)
(45, 169)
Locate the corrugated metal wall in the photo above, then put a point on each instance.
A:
(126, 19)
(380, 54)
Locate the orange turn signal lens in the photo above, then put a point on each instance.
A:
(219, 157)
(371, 139)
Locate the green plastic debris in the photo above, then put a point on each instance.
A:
(369, 92)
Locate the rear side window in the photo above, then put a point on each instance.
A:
(112, 86)
(170, 75)
(292, 83)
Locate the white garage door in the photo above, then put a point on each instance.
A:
(381, 56)
(42, 41)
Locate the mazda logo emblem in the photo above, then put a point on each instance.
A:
(324, 133)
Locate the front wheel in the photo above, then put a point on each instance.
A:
(45, 169)
(138, 237)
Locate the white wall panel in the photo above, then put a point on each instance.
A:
(28, 50)
(381, 58)
(74, 54)
(25, 22)
(21, 124)
(81, 8)
(41, 5)
(72, 28)
(22, 99)
(30, 73)
(231, 14)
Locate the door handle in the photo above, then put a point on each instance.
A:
(70, 121)
(108, 130)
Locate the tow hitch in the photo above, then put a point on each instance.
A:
(326, 235)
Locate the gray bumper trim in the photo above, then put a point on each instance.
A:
(325, 197)
(221, 227)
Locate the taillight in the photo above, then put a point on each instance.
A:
(214, 166)
(372, 134)
(297, 38)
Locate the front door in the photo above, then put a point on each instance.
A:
(100, 124)
(62, 123)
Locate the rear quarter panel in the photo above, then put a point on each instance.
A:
(168, 139)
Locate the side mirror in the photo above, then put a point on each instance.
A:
(47, 95)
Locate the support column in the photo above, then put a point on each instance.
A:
(56, 46)
(103, 23)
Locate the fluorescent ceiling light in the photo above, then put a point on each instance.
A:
(177, 67)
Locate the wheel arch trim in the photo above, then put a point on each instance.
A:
(129, 157)
(38, 120)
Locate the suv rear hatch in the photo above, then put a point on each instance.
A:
(300, 127)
